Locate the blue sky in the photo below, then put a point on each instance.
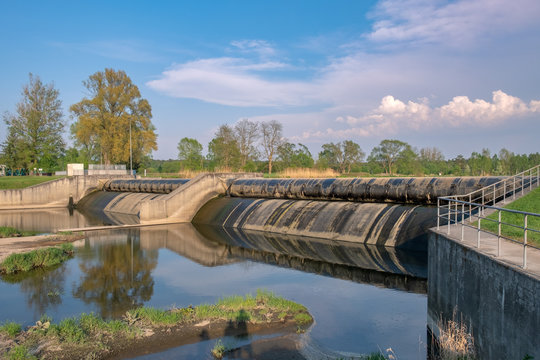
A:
(460, 75)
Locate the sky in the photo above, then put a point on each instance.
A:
(459, 75)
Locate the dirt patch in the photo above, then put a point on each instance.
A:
(23, 244)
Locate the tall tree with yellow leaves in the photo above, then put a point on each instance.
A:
(104, 119)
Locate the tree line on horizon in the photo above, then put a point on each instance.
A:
(114, 111)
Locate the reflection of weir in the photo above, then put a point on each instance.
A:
(186, 241)
(214, 246)
(375, 265)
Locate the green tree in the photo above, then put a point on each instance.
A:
(342, 155)
(190, 153)
(223, 149)
(272, 138)
(505, 159)
(106, 118)
(35, 132)
(387, 153)
(432, 160)
(292, 157)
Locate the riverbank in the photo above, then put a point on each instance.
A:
(144, 330)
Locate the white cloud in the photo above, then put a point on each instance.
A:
(260, 47)
(394, 116)
(450, 22)
(233, 82)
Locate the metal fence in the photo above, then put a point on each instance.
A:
(471, 210)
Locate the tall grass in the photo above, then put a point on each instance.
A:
(36, 258)
(455, 341)
(308, 173)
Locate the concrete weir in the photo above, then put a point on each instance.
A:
(402, 226)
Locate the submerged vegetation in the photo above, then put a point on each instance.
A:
(91, 334)
(36, 258)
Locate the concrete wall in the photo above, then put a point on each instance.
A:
(413, 190)
(501, 303)
(51, 193)
(182, 204)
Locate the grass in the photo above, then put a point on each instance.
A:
(11, 328)
(19, 182)
(46, 257)
(20, 352)
(528, 203)
(92, 333)
(7, 231)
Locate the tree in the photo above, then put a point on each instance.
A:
(105, 118)
(352, 154)
(223, 150)
(505, 158)
(432, 160)
(292, 157)
(246, 136)
(35, 132)
(272, 139)
(190, 153)
(387, 154)
(342, 155)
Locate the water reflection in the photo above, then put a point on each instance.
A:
(117, 276)
(43, 288)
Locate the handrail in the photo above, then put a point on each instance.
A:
(472, 208)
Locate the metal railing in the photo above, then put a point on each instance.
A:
(464, 209)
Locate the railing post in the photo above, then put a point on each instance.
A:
(478, 234)
(514, 191)
(499, 236)
(538, 176)
(456, 214)
(438, 214)
(525, 243)
(448, 225)
(504, 191)
(483, 194)
(470, 206)
(462, 220)
(494, 195)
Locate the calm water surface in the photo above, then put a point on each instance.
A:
(176, 265)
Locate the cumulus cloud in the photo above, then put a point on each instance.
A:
(394, 115)
(450, 22)
(232, 81)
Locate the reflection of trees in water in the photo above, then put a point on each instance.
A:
(117, 277)
(43, 287)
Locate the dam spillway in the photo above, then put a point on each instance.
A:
(400, 226)
(393, 212)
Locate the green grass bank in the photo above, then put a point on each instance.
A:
(528, 203)
(19, 182)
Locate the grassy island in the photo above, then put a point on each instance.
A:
(90, 335)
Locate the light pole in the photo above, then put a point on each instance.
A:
(130, 150)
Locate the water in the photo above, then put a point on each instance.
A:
(177, 265)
